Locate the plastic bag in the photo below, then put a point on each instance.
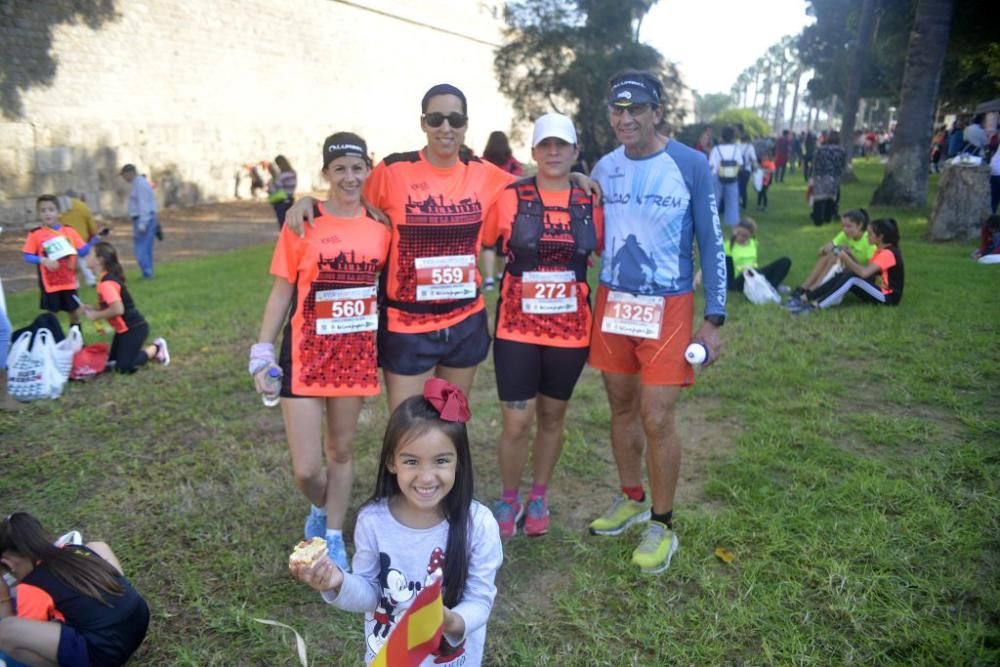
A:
(757, 290)
(66, 349)
(32, 373)
(90, 361)
(758, 179)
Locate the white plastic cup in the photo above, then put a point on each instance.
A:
(696, 353)
(272, 387)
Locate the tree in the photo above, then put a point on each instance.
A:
(905, 179)
(754, 125)
(558, 54)
(866, 28)
(707, 106)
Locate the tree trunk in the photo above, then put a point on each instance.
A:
(795, 96)
(905, 179)
(866, 29)
(962, 202)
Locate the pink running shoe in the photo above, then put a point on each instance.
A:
(536, 522)
(508, 515)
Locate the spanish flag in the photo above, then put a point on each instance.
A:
(418, 633)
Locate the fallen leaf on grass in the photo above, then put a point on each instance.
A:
(724, 554)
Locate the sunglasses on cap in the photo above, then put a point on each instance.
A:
(633, 109)
(455, 120)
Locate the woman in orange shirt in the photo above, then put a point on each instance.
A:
(437, 197)
(548, 228)
(324, 297)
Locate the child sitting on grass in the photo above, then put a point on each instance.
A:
(74, 605)
(741, 254)
(988, 251)
(879, 281)
(852, 238)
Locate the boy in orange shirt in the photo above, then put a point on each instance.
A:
(54, 248)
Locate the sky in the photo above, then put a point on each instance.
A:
(712, 41)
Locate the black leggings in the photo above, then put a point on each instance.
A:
(126, 349)
(774, 272)
(833, 291)
(762, 196)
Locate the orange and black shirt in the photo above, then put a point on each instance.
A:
(45, 242)
(111, 289)
(891, 277)
(432, 279)
(531, 308)
(329, 339)
(42, 596)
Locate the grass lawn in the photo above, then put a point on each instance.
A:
(848, 459)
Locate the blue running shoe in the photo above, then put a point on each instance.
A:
(337, 550)
(315, 525)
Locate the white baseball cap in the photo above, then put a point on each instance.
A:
(553, 125)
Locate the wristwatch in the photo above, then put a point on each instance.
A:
(717, 320)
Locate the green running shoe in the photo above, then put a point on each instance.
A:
(623, 513)
(658, 546)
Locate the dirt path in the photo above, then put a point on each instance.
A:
(188, 232)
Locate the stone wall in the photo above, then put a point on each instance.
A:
(190, 91)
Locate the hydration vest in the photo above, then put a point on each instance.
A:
(529, 225)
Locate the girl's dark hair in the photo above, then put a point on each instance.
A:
(49, 198)
(109, 259)
(858, 216)
(746, 223)
(497, 148)
(887, 229)
(283, 163)
(22, 534)
(728, 134)
(411, 419)
(833, 137)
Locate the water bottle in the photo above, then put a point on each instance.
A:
(11, 586)
(272, 387)
(696, 353)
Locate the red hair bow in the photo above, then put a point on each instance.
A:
(447, 399)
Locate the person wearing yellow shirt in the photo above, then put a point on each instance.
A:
(74, 212)
(853, 238)
(741, 254)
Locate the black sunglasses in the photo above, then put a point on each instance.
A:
(633, 109)
(455, 119)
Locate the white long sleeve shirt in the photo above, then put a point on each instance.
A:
(392, 562)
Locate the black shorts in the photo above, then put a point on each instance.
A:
(525, 370)
(462, 346)
(65, 299)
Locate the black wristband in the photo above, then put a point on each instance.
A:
(717, 320)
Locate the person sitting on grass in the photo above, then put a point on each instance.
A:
(852, 238)
(988, 251)
(116, 306)
(879, 281)
(741, 255)
(74, 604)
